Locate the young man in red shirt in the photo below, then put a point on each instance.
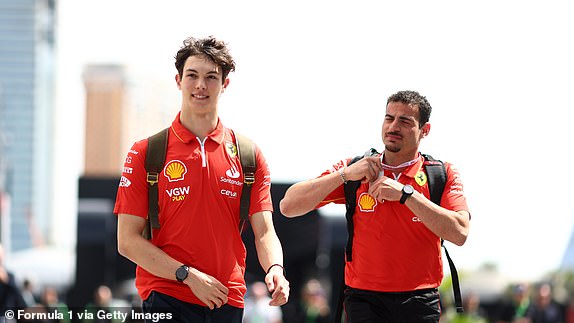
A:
(193, 267)
(396, 264)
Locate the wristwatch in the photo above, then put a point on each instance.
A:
(181, 273)
(408, 190)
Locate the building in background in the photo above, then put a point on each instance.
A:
(27, 59)
(568, 259)
(105, 109)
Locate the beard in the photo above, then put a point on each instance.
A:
(392, 148)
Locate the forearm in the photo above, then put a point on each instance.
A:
(141, 251)
(304, 196)
(269, 251)
(449, 225)
(267, 244)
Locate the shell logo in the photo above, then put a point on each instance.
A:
(175, 171)
(367, 203)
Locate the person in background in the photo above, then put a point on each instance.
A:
(314, 302)
(51, 302)
(104, 302)
(396, 266)
(195, 261)
(544, 309)
(472, 311)
(514, 310)
(10, 295)
(257, 308)
(28, 293)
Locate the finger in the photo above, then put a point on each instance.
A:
(278, 299)
(219, 295)
(220, 302)
(209, 304)
(223, 289)
(270, 281)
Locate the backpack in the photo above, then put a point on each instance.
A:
(154, 163)
(436, 176)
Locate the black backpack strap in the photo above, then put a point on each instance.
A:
(155, 159)
(246, 152)
(350, 188)
(351, 202)
(436, 174)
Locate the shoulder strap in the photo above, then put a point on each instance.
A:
(437, 176)
(154, 161)
(350, 188)
(246, 152)
(351, 202)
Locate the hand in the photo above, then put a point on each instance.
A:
(385, 188)
(365, 170)
(278, 286)
(4, 278)
(208, 289)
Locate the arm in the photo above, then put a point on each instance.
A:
(154, 260)
(269, 252)
(449, 225)
(304, 196)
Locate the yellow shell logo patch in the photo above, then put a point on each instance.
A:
(421, 178)
(175, 171)
(367, 203)
(231, 149)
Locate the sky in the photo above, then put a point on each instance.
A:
(311, 84)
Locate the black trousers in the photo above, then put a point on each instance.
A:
(422, 306)
(159, 307)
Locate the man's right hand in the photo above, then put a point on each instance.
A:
(208, 289)
(365, 170)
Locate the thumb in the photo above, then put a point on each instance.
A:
(270, 281)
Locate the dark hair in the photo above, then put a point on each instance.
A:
(414, 98)
(213, 49)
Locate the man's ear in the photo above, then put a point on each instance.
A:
(178, 80)
(225, 84)
(425, 130)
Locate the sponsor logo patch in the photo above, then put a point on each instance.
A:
(421, 178)
(230, 181)
(228, 193)
(231, 149)
(178, 193)
(367, 203)
(175, 171)
(232, 172)
(125, 182)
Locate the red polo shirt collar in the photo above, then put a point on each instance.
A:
(187, 136)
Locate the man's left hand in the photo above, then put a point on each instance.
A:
(278, 286)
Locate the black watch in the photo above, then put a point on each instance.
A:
(408, 190)
(181, 273)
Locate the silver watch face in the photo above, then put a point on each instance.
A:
(408, 189)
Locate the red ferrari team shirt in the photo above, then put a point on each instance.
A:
(199, 197)
(393, 251)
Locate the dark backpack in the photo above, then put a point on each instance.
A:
(154, 163)
(436, 176)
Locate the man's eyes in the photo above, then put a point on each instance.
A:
(211, 77)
